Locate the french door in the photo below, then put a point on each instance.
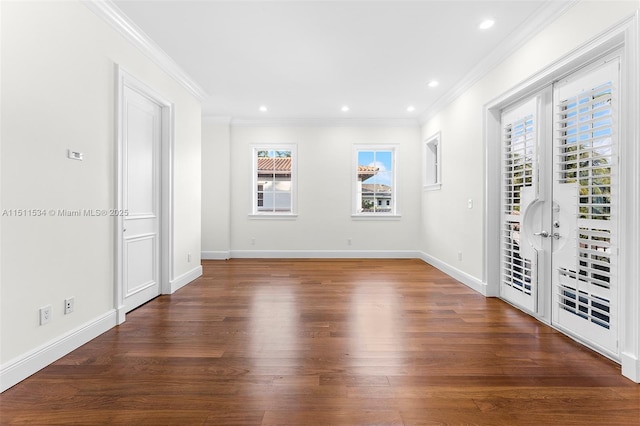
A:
(522, 204)
(585, 184)
(559, 204)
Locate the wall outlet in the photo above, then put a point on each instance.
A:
(349, 241)
(459, 255)
(253, 241)
(45, 314)
(68, 305)
(189, 257)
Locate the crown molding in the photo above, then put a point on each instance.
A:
(547, 13)
(325, 122)
(109, 12)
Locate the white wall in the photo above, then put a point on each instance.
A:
(324, 221)
(448, 225)
(58, 90)
(216, 185)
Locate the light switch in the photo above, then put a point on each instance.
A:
(74, 155)
(470, 203)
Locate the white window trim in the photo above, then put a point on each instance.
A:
(254, 214)
(273, 216)
(430, 162)
(354, 182)
(376, 216)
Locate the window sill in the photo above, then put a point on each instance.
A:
(432, 187)
(374, 216)
(274, 216)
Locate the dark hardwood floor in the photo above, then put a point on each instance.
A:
(327, 342)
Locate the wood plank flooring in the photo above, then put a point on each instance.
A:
(334, 342)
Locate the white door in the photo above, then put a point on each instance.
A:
(522, 204)
(585, 184)
(559, 209)
(141, 142)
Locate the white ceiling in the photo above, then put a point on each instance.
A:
(306, 59)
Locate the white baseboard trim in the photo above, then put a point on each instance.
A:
(121, 314)
(630, 366)
(324, 254)
(215, 255)
(185, 278)
(466, 279)
(18, 369)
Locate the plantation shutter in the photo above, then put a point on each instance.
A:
(519, 177)
(586, 171)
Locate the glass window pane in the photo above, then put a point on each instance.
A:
(384, 160)
(282, 202)
(267, 202)
(283, 185)
(373, 190)
(273, 174)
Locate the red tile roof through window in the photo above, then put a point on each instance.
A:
(365, 172)
(283, 164)
(275, 164)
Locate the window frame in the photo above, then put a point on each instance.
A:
(356, 200)
(432, 163)
(254, 197)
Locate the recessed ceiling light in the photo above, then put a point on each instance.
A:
(263, 108)
(344, 108)
(411, 108)
(486, 24)
(433, 83)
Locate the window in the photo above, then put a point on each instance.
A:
(432, 163)
(375, 181)
(273, 179)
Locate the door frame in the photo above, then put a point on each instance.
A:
(167, 147)
(624, 36)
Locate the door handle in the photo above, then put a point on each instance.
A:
(545, 234)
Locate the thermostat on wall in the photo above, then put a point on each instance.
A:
(74, 155)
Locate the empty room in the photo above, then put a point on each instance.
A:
(319, 212)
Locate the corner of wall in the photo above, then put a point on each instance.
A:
(186, 278)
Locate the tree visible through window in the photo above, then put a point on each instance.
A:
(273, 180)
(375, 181)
